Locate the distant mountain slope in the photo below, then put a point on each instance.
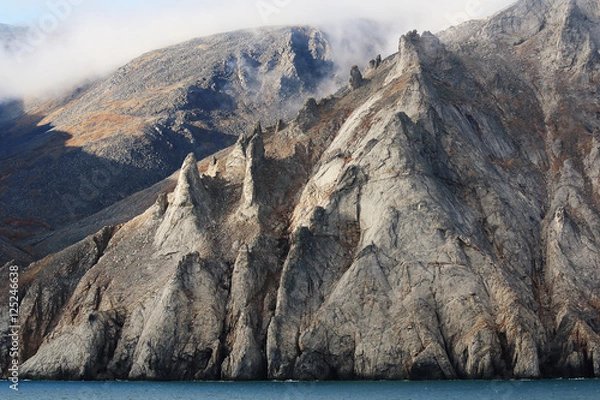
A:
(437, 219)
(71, 157)
(8, 253)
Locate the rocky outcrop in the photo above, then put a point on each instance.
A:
(439, 222)
(254, 159)
(356, 78)
(185, 214)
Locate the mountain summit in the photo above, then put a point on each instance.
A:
(437, 218)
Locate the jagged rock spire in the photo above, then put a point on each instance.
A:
(213, 167)
(376, 62)
(187, 213)
(308, 115)
(356, 78)
(238, 158)
(279, 126)
(257, 129)
(255, 154)
(373, 65)
(190, 190)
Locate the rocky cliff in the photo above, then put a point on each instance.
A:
(436, 219)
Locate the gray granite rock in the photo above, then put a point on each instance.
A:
(439, 222)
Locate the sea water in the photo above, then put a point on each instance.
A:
(471, 390)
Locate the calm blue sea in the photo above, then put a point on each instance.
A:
(527, 390)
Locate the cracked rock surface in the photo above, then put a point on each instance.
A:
(438, 221)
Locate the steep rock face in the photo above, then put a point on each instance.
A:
(438, 221)
(146, 331)
(201, 310)
(44, 289)
(389, 215)
(553, 47)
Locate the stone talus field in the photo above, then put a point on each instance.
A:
(439, 218)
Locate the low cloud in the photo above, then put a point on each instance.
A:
(70, 41)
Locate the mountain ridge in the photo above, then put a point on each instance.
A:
(436, 219)
(80, 153)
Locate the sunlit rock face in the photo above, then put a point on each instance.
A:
(437, 221)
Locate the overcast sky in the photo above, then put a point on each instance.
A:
(74, 39)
